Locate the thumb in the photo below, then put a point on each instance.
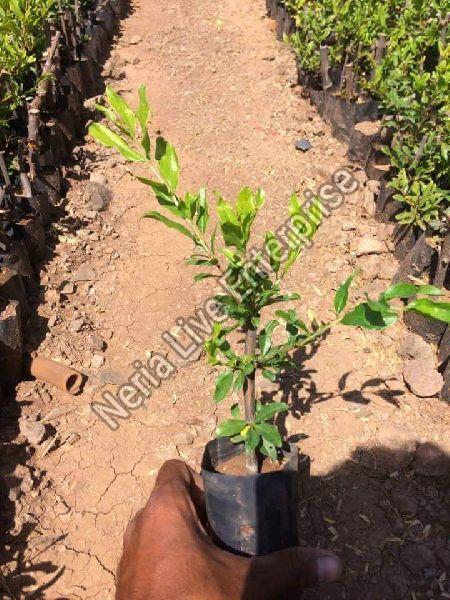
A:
(294, 568)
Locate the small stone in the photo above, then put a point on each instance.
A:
(97, 361)
(67, 288)
(431, 460)
(370, 245)
(422, 378)
(97, 177)
(417, 557)
(52, 321)
(303, 145)
(414, 346)
(97, 343)
(77, 325)
(373, 185)
(369, 202)
(84, 273)
(32, 430)
(348, 226)
(97, 196)
(136, 39)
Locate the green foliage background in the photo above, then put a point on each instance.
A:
(412, 86)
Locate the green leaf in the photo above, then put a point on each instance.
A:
(201, 276)
(203, 216)
(267, 411)
(400, 290)
(367, 318)
(430, 290)
(274, 250)
(143, 110)
(252, 439)
(110, 139)
(427, 307)
(269, 449)
(124, 112)
(270, 375)
(239, 381)
(168, 162)
(265, 336)
(235, 411)
(223, 385)
(270, 433)
(169, 223)
(108, 112)
(230, 427)
(341, 296)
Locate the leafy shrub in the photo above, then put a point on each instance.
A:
(252, 285)
(412, 85)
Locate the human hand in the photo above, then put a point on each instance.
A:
(168, 555)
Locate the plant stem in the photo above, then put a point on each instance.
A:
(251, 462)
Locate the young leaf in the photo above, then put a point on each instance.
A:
(265, 336)
(270, 433)
(341, 296)
(270, 375)
(168, 162)
(169, 223)
(110, 139)
(235, 411)
(143, 110)
(230, 427)
(274, 250)
(363, 316)
(124, 112)
(269, 449)
(400, 290)
(252, 439)
(239, 381)
(223, 385)
(203, 216)
(267, 411)
(436, 310)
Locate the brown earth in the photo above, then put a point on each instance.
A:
(225, 93)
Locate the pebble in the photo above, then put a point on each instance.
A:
(97, 361)
(136, 39)
(84, 273)
(422, 378)
(97, 196)
(370, 245)
(348, 226)
(32, 430)
(414, 346)
(373, 185)
(76, 325)
(97, 177)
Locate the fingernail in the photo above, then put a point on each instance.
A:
(328, 568)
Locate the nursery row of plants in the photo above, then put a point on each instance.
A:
(397, 52)
(50, 59)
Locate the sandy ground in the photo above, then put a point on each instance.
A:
(224, 92)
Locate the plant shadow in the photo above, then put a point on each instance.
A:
(385, 514)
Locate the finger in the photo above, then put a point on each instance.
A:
(178, 475)
(294, 568)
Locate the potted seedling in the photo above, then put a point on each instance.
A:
(249, 470)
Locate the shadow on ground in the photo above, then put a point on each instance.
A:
(388, 524)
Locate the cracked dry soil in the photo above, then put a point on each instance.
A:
(224, 92)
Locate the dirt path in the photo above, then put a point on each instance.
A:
(224, 92)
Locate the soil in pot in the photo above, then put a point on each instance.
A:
(251, 514)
